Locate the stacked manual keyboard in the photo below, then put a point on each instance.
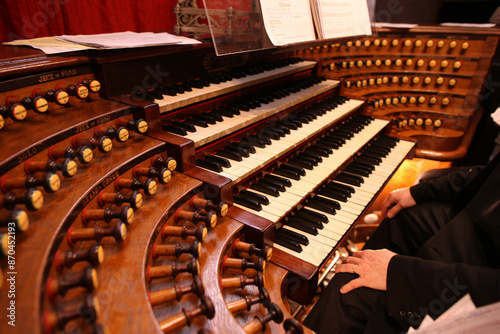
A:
(330, 208)
(239, 160)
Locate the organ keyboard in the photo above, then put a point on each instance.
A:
(196, 170)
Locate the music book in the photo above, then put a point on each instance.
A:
(293, 21)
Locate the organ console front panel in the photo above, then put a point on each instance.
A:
(176, 191)
(431, 81)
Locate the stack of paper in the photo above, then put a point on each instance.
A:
(128, 39)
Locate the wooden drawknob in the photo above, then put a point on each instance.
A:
(259, 323)
(185, 317)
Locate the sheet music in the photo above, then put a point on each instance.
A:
(288, 21)
(342, 18)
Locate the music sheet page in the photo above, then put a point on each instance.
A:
(288, 21)
(342, 18)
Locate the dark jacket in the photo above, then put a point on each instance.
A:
(463, 257)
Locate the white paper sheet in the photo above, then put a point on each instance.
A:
(288, 21)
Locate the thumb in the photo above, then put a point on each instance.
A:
(354, 284)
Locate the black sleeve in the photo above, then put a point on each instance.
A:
(416, 287)
(444, 188)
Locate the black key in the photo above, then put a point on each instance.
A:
(308, 229)
(307, 222)
(266, 189)
(282, 180)
(273, 183)
(174, 129)
(238, 150)
(288, 243)
(356, 171)
(205, 118)
(230, 155)
(187, 127)
(243, 146)
(287, 173)
(286, 233)
(209, 165)
(223, 112)
(341, 186)
(349, 179)
(294, 169)
(247, 202)
(254, 196)
(298, 162)
(332, 194)
(197, 122)
(221, 161)
(323, 204)
(312, 215)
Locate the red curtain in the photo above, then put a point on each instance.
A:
(21, 19)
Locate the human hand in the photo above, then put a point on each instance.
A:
(370, 265)
(397, 200)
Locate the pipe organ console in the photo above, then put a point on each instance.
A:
(430, 81)
(176, 191)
